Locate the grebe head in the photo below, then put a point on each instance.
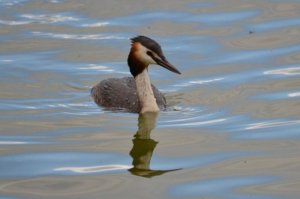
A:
(145, 51)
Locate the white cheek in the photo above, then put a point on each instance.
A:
(142, 54)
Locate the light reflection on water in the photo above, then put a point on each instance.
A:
(73, 36)
(236, 103)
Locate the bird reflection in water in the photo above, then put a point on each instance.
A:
(143, 147)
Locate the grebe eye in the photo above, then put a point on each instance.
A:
(149, 53)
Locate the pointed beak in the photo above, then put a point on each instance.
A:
(164, 63)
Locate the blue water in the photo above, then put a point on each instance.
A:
(232, 129)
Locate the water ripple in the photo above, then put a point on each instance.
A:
(51, 18)
(13, 23)
(222, 187)
(40, 164)
(273, 129)
(96, 24)
(237, 98)
(182, 17)
(11, 2)
(97, 68)
(41, 19)
(4, 142)
(284, 71)
(199, 82)
(278, 95)
(295, 94)
(94, 169)
(77, 36)
(196, 124)
(271, 124)
(275, 24)
(252, 55)
(195, 118)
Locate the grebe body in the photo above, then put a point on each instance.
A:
(121, 93)
(135, 94)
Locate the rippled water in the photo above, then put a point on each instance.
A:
(232, 129)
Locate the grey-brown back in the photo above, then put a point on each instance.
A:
(121, 93)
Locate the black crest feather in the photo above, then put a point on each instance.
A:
(149, 43)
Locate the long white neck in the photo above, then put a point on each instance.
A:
(145, 93)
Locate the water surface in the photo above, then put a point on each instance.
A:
(232, 129)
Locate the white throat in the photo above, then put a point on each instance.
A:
(145, 93)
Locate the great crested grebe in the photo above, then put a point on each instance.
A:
(135, 94)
